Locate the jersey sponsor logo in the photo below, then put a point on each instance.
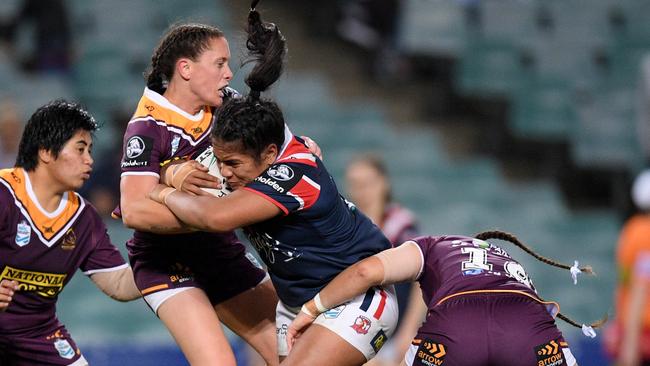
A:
(134, 147)
(44, 284)
(430, 353)
(516, 271)
(64, 348)
(271, 183)
(268, 247)
(378, 340)
(549, 354)
(15, 177)
(23, 233)
(281, 172)
(69, 240)
(137, 152)
(361, 325)
(334, 313)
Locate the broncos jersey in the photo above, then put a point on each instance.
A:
(456, 265)
(42, 250)
(320, 233)
(160, 132)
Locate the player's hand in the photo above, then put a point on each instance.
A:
(313, 147)
(7, 289)
(297, 327)
(189, 176)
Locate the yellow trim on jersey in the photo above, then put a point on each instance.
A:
(500, 291)
(48, 227)
(154, 288)
(170, 118)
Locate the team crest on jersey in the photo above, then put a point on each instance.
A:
(64, 348)
(361, 325)
(281, 172)
(550, 354)
(69, 240)
(175, 142)
(23, 233)
(430, 353)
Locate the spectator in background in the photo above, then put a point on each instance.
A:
(10, 130)
(369, 189)
(52, 48)
(628, 339)
(372, 25)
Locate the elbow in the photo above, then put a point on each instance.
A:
(369, 272)
(130, 220)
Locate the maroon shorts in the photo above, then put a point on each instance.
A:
(490, 329)
(221, 269)
(55, 348)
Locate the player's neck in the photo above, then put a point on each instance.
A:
(47, 191)
(183, 99)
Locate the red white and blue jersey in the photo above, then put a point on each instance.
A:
(320, 233)
(42, 250)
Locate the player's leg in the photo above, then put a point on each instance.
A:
(349, 334)
(525, 333)
(53, 347)
(195, 326)
(251, 315)
(319, 346)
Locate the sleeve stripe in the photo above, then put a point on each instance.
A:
(140, 173)
(280, 206)
(112, 269)
(307, 190)
(301, 202)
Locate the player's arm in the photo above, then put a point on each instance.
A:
(399, 264)
(119, 284)
(141, 213)
(209, 213)
(7, 289)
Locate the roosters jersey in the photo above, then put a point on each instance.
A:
(456, 265)
(320, 233)
(42, 250)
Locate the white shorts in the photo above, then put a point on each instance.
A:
(365, 322)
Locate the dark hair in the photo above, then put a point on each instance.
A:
(181, 40)
(49, 128)
(513, 239)
(252, 121)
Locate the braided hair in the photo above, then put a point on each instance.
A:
(500, 235)
(181, 40)
(252, 121)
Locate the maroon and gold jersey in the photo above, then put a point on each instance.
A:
(457, 265)
(42, 250)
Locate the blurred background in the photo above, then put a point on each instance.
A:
(520, 115)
